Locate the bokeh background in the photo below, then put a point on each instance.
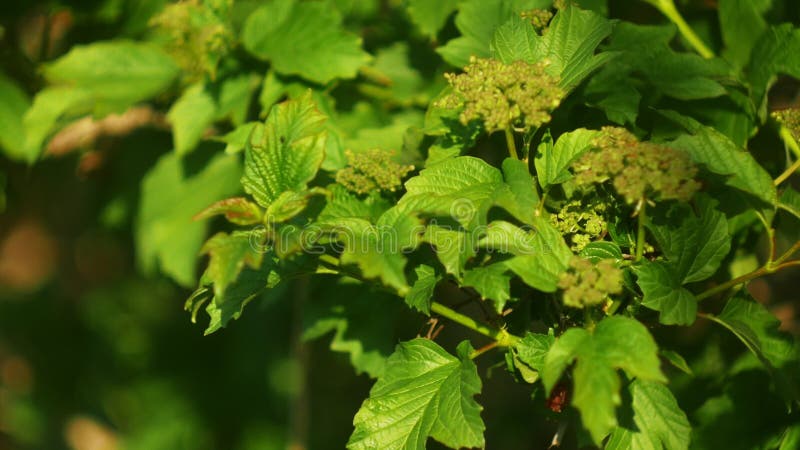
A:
(97, 355)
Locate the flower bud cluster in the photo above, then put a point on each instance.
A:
(637, 169)
(503, 95)
(587, 284)
(539, 18)
(789, 118)
(371, 170)
(579, 223)
(198, 34)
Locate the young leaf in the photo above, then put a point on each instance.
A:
(421, 293)
(553, 162)
(190, 115)
(757, 328)
(424, 392)
(616, 343)
(658, 421)
(304, 38)
(237, 210)
(228, 255)
(662, 288)
(790, 201)
(166, 235)
(286, 155)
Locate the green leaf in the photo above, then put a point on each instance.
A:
(714, 150)
(658, 422)
(395, 79)
(286, 154)
(790, 202)
(570, 44)
(524, 198)
(453, 247)
(741, 23)
(757, 328)
(360, 319)
(430, 16)
(513, 41)
(677, 361)
(116, 73)
(171, 195)
(249, 285)
(378, 250)
(49, 106)
(777, 52)
(190, 116)
(598, 250)
(616, 343)
(533, 348)
(477, 21)
(553, 161)
(697, 245)
(421, 293)
(304, 38)
(234, 97)
(13, 104)
(463, 188)
(549, 256)
(228, 255)
(662, 288)
(424, 392)
(491, 282)
(342, 204)
(237, 210)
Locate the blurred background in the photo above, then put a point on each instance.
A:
(95, 354)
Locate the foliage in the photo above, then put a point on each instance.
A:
(571, 189)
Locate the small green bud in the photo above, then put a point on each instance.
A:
(503, 95)
(586, 284)
(372, 170)
(637, 169)
(539, 18)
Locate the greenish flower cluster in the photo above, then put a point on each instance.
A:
(371, 170)
(637, 169)
(198, 34)
(789, 118)
(580, 223)
(503, 95)
(587, 284)
(539, 18)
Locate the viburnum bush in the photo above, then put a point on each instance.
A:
(561, 191)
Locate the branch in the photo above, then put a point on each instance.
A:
(86, 131)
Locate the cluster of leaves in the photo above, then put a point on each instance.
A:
(611, 116)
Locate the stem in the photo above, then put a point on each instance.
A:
(511, 144)
(788, 139)
(640, 232)
(503, 337)
(766, 270)
(667, 7)
(787, 173)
